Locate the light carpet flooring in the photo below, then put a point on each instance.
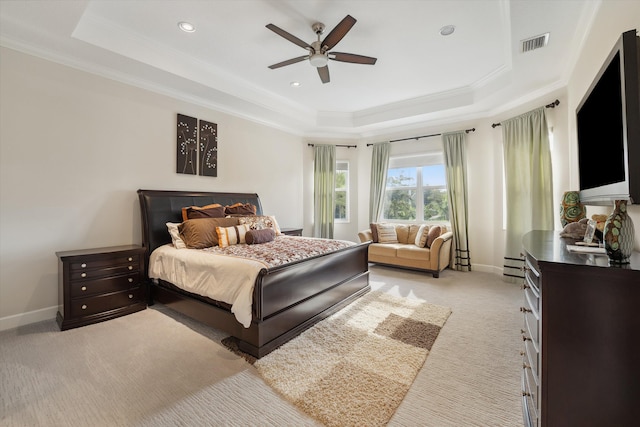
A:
(157, 368)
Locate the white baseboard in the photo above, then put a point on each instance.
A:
(484, 268)
(23, 319)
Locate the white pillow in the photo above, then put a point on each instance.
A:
(421, 236)
(178, 243)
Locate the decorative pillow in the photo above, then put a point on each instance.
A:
(387, 233)
(201, 233)
(178, 243)
(413, 232)
(434, 233)
(402, 231)
(240, 209)
(233, 235)
(374, 231)
(210, 211)
(265, 235)
(421, 237)
(259, 222)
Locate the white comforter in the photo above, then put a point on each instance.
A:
(209, 275)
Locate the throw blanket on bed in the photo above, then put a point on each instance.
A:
(230, 278)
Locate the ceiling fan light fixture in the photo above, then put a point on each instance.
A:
(318, 60)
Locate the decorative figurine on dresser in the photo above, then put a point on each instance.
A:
(99, 284)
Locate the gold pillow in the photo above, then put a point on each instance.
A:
(201, 233)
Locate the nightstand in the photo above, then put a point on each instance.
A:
(99, 284)
(292, 231)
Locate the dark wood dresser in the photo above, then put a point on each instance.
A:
(581, 336)
(99, 284)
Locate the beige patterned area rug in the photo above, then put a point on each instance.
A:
(355, 367)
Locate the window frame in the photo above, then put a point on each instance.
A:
(417, 161)
(346, 190)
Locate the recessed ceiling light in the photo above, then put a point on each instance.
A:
(447, 30)
(295, 84)
(187, 27)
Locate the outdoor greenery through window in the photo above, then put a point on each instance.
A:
(416, 193)
(342, 192)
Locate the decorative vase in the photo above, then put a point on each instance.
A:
(618, 234)
(571, 209)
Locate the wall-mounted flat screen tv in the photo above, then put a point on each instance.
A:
(608, 125)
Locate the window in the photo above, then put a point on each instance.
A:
(342, 192)
(416, 189)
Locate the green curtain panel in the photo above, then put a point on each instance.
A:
(528, 179)
(379, 166)
(455, 159)
(324, 185)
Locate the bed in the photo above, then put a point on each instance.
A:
(286, 299)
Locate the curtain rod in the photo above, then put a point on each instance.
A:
(337, 145)
(554, 104)
(423, 136)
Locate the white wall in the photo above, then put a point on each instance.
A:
(74, 149)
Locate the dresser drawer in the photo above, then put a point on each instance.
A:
(104, 272)
(85, 288)
(532, 273)
(91, 263)
(531, 388)
(531, 293)
(105, 302)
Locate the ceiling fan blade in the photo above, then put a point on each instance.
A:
(290, 37)
(338, 32)
(353, 58)
(323, 72)
(288, 62)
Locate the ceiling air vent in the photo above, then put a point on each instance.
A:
(535, 42)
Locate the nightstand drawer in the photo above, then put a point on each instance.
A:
(103, 272)
(82, 288)
(91, 263)
(105, 302)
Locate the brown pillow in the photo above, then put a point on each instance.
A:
(210, 211)
(240, 209)
(253, 237)
(374, 232)
(387, 233)
(201, 233)
(434, 233)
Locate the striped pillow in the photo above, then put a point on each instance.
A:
(228, 236)
(387, 233)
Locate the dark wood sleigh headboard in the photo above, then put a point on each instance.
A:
(158, 207)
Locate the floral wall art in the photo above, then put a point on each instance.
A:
(197, 146)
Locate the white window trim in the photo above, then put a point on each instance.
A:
(347, 195)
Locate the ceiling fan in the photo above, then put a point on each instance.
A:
(319, 54)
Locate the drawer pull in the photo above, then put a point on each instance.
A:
(522, 353)
(84, 306)
(129, 259)
(526, 393)
(525, 338)
(130, 296)
(525, 366)
(525, 310)
(83, 265)
(130, 279)
(84, 288)
(131, 267)
(524, 286)
(83, 275)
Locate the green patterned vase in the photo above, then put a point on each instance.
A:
(618, 234)
(571, 209)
